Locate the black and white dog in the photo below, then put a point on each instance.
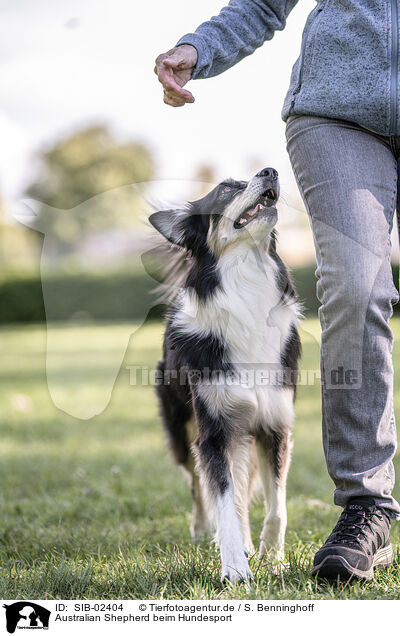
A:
(228, 377)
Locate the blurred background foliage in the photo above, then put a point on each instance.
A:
(89, 162)
(72, 174)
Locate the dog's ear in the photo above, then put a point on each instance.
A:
(170, 224)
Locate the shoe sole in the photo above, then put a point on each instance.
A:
(333, 567)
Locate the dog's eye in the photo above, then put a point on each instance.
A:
(228, 187)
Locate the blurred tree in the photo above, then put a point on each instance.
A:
(88, 163)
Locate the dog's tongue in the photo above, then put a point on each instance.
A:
(246, 217)
(253, 212)
(256, 210)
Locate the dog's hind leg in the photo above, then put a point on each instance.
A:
(273, 451)
(175, 415)
(180, 428)
(213, 445)
(200, 519)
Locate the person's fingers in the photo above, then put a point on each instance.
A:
(182, 57)
(175, 62)
(176, 58)
(176, 91)
(167, 79)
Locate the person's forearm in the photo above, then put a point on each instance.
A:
(240, 28)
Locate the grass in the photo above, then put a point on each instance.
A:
(96, 509)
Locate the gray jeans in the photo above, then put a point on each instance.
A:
(347, 177)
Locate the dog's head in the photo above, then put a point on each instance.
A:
(233, 213)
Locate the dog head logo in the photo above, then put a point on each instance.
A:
(26, 615)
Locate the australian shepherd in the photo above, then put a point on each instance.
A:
(227, 381)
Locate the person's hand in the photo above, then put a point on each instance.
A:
(173, 69)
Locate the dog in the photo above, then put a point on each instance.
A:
(226, 384)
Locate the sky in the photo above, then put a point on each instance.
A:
(66, 64)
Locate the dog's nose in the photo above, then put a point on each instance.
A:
(268, 172)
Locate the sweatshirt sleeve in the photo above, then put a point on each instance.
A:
(239, 29)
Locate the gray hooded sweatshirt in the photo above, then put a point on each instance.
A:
(348, 67)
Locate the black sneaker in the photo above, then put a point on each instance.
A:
(359, 542)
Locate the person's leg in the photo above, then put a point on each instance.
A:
(348, 180)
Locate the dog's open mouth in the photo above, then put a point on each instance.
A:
(267, 199)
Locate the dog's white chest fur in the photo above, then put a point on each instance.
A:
(247, 316)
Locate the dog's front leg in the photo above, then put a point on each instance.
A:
(240, 459)
(235, 566)
(213, 444)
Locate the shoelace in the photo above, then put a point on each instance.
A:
(352, 525)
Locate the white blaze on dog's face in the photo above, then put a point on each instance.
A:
(248, 214)
(233, 213)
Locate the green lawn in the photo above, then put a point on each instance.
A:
(96, 509)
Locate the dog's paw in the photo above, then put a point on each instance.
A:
(275, 557)
(276, 554)
(236, 570)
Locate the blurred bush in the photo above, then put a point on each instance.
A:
(81, 297)
(107, 297)
(305, 281)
